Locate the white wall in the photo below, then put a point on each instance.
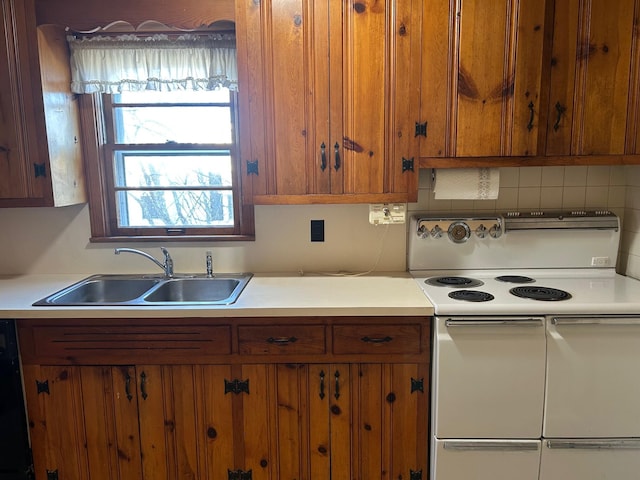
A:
(630, 249)
(48, 240)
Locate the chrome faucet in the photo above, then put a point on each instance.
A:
(209, 259)
(167, 266)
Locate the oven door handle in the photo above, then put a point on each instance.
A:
(506, 322)
(601, 320)
(622, 444)
(508, 446)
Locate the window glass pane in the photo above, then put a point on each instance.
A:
(172, 169)
(136, 125)
(221, 95)
(175, 208)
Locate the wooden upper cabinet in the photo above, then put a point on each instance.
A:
(332, 93)
(482, 77)
(593, 48)
(40, 150)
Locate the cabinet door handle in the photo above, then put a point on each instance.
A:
(321, 384)
(282, 340)
(323, 157)
(336, 149)
(386, 339)
(143, 385)
(337, 391)
(560, 109)
(532, 112)
(127, 386)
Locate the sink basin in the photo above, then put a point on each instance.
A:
(217, 290)
(141, 290)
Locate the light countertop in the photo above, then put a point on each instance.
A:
(266, 295)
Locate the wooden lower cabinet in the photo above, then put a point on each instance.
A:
(281, 416)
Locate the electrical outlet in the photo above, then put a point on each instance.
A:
(387, 213)
(600, 261)
(317, 230)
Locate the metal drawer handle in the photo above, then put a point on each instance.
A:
(282, 340)
(386, 339)
(529, 322)
(594, 444)
(614, 321)
(491, 446)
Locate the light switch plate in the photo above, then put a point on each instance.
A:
(387, 213)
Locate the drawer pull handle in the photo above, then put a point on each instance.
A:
(321, 384)
(282, 340)
(143, 385)
(323, 157)
(386, 339)
(127, 387)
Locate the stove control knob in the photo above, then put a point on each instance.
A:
(459, 232)
(495, 231)
(481, 231)
(436, 232)
(423, 232)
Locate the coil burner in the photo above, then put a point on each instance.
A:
(515, 279)
(471, 295)
(455, 282)
(540, 293)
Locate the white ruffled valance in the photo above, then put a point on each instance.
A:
(129, 62)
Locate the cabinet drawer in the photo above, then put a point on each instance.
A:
(130, 342)
(281, 339)
(363, 339)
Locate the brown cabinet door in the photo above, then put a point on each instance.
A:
(590, 75)
(497, 62)
(338, 421)
(481, 77)
(186, 421)
(336, 89)
(381, 96)
(17, 180)
(56, 420)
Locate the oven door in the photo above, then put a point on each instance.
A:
(593, 385)
(489, 377)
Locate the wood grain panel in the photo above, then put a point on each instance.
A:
(381, 339)
(136, 342)
(484, 83)
(366, 74)
(281, 340)
(606, 60)
(56, 422)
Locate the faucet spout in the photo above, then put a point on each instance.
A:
(167, 266)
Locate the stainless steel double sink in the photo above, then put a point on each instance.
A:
(150, 290)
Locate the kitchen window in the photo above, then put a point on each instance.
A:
(166, 163)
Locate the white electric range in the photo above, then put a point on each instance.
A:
(536, 346)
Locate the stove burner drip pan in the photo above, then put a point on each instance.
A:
(471, 295)
(515, 279)
(454, 282)
(540, 293)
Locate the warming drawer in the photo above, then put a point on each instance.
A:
(489, 377)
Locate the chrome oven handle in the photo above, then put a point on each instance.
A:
(506, 322)
(512, 446)
(600, 320)
(622, 444)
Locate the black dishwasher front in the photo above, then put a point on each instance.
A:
(15, 456)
